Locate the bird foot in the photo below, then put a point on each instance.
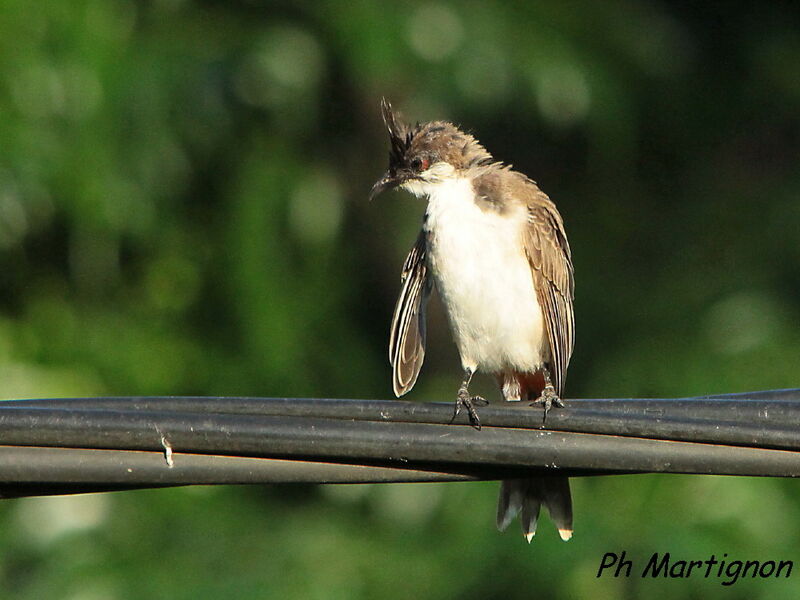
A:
(547, 400)
(469, 402)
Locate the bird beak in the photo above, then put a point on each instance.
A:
(386, 182)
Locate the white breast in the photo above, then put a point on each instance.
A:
(485, 280)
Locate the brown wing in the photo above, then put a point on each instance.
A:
(551, 263)
(407, 335)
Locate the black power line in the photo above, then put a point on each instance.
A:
(97, 444)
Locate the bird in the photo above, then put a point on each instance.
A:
(494, 247)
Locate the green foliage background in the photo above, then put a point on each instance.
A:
(183, 211)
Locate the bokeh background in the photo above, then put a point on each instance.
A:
(183, 211)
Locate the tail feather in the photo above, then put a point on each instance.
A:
(530, 509)
(512, 492)
(527, 496)
(558, 500)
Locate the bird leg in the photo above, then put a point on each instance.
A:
(468, 401)
(549, 397)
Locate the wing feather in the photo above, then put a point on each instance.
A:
(407, 334)
(551, 264)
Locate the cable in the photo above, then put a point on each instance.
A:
(85, 444)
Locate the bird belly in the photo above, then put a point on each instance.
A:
(485, 281)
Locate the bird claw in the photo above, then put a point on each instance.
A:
(548, 400)
(468, 402)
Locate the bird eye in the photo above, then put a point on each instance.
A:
(420, 164)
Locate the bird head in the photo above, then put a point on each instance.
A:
(424, 155)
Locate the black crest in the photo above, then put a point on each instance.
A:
(399, 133)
